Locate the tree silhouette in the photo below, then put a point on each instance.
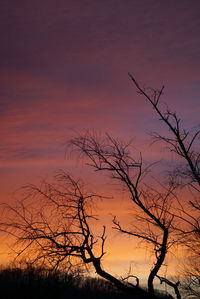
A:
(181, 141)
(54, 223)
(153, 220)
(185, 144)
(60, 230)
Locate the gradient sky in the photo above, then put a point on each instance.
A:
(64, 66)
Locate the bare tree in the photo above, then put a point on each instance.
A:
(52, 222)
(185, 144)
(153, 220)
(56, 229)
(181, 141)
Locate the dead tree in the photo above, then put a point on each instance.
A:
(153, 222)
(60, 230)
(185, 144)
(53, 225)
(182, 142)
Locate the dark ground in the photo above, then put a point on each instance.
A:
(33, 283)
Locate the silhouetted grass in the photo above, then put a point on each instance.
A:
(32, 283)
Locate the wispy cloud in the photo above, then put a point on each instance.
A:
(64, 68)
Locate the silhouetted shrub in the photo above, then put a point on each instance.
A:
(33, 283)
(38, 283)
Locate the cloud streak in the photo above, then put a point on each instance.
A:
(63, 69)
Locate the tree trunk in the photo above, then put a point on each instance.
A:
(158, 264)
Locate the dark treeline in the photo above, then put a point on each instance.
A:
(36, 283)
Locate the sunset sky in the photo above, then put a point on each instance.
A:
(64, 68)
